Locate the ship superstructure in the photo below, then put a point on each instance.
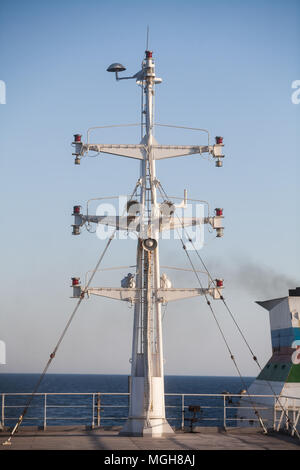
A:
(281, 374)
(283, 368)
(148, 217)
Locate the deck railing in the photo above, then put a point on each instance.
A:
(183, 410)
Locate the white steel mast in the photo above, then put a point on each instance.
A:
(150, 289)
(147, 407)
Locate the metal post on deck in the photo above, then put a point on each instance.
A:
(224, 411)
(2, 411)
(182, 412)
(93, 411)
(274, 417)
(129, 391)
(45, 412)
(98, 409)
(294, 414)
(129, 385)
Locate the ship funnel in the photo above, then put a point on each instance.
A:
(269, 304)
(294, 292)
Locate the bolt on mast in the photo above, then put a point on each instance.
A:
(150, 290)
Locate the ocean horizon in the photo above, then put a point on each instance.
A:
(73, 399)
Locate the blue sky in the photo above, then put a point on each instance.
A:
(227, 66)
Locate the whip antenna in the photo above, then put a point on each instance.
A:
(147, 43)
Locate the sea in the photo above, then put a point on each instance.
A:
(88, 399)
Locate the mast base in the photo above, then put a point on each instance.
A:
(155, 427)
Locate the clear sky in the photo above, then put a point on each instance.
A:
(227, 66)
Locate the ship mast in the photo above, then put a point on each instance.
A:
(147, 353)
(148, 218)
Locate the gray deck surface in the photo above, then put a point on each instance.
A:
(78, 438)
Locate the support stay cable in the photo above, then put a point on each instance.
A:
(52, 355)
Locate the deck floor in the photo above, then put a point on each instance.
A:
(78, 438)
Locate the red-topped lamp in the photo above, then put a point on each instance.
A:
(219, 140)
(219, 282)
(219, 212)
(76, 287)
(76, 210)
(75, 281)
(78, 145)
